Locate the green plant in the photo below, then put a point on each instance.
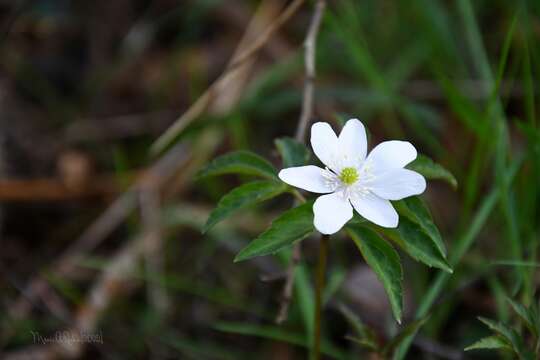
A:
(523, 342)
(416, 234)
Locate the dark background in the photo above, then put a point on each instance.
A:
(86, 88)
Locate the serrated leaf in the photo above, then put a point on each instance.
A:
(526, 315)
(291, 226)
(490, 342)
(241, 197)
(498, 327)
(432, 170)
(293, 153)
(384, 261)
(414, 208)
(507, 333)
(239, 162)
(416, 243)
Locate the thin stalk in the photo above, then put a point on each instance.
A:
(319, 287)
(305, 119)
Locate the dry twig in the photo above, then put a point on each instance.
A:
(123, 263)
(55, 190)
(305, 118)
(151, 213)
(158, 175)
(209, 95)
(121, 266)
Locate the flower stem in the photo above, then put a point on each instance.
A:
(319, 286)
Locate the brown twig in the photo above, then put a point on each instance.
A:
(120, 267)
(208, 96)
(102, 292)
(54, 189)
(150, 213)
(109, 285)
(305, 118)
(309, 59)
(160, 173)
(233, 83)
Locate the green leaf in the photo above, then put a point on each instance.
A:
(334, 283)
(507, 333)
(404, 334)
(271, 332)
(242, 197)
(279, 334)
(414, 208)
(293, 153)
(461, 105)
(384, 261)
(416, 243)
(526, 315)
(373, 346)
(195, 348)
(497, 327)
(365, 336)
(431, 170)
(239, 162)
(291, 226)
(490, 342)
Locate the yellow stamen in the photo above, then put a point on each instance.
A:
(349, 175)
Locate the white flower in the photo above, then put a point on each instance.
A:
(368, 183)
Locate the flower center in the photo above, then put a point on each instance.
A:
(348, 176)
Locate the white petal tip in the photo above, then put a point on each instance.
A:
(412, 149)
(319, 123)
(423, 185)
(389, 225)
(310, 178)
(408, 148)
(323, 232)
(330, 213)
(283, 175)
(355, 120)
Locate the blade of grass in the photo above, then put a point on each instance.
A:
(461, 246)
(279, 334)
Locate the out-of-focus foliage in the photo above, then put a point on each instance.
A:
(104, 79)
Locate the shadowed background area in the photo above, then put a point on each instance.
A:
(108, 109)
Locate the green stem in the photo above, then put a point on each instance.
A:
(319, 286)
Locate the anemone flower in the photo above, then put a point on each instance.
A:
(351, 179)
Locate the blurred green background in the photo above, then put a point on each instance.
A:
(86, 88)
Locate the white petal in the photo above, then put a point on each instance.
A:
(376, 210)
(389, 155)
(331, 212)
(311, 178)
(353, 143)
(325, 144)
(398, 184)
